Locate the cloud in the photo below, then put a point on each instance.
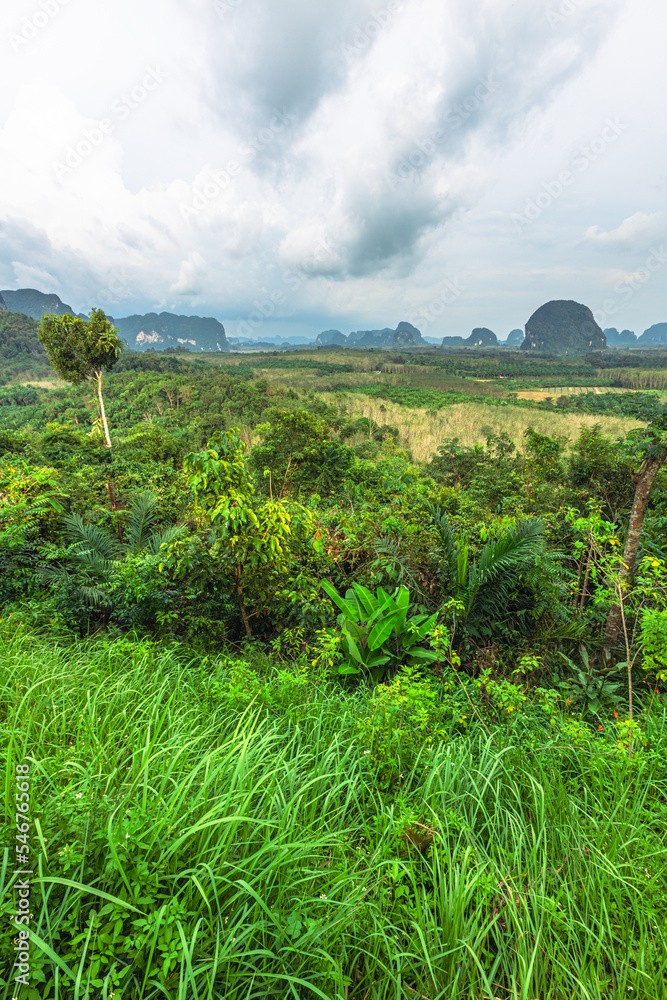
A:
(360, 139)
(31, 277)
(191, 275)
(636, 232)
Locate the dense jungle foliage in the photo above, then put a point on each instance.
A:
(314, 694)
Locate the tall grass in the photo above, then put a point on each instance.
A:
(194, 843)
(422, 431)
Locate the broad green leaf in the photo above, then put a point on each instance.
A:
(352, 648)
(365, 598)
(403, 598)
(423, 655)
(427, 626)
(378, 660)
(381, 631)
(339, 601)
(357, 631)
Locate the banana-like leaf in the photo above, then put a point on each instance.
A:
(345, 606)
(365, 599)
(423, 655)
(356, 631)
(352, 649)
(426, 626)
(378, 660)
(382, 630)
(403, 598)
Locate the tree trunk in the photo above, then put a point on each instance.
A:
(239, 594)
(102, 410)
(643, 481)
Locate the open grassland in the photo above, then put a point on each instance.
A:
(422, 431)
(220, 829)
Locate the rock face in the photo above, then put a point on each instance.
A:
(33, 303)
(626, 338)
(3, 305)
(195, 333)
(655, 336)
(514, 338)
(563, 327)
(480, 337)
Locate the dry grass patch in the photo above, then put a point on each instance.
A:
(422, 431)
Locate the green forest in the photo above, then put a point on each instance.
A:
(333, 674)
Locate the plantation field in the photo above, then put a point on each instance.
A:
(230, 827)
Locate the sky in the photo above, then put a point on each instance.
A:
(301, 166)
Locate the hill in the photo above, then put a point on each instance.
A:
(626, 338)
(480, 337)
(21, 354)
(33, 303)
(405, 335)
(514, 338)
(169, 330)
(655, 336)
(563, 327)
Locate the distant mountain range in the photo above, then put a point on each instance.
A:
(557, 327)
(405, 335)
(140, 332)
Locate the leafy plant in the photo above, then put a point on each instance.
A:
(376, 631)
(487, 588)
(590, 688)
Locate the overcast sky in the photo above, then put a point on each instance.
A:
(294, 166)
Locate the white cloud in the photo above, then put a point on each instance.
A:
(191, 275)
(634, 233)
(29, 277)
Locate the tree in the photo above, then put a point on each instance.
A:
(644, 478)
(81, 350)
(245, 540)
(298, 450)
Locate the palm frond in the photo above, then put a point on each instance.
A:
(91, 538)
(447, 553)
(495, 576)
(143, 515)
(92, 563)
(158, 538)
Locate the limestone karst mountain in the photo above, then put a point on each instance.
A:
(626, 338)
(481, 336)
(515, 338)
(195, 333)
(405, 335)
(34, 303)
(655, 336)
(563, 327)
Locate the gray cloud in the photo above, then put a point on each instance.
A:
(408, 138)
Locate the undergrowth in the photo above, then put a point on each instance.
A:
(233, 827)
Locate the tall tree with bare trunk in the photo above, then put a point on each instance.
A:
(81, 350)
